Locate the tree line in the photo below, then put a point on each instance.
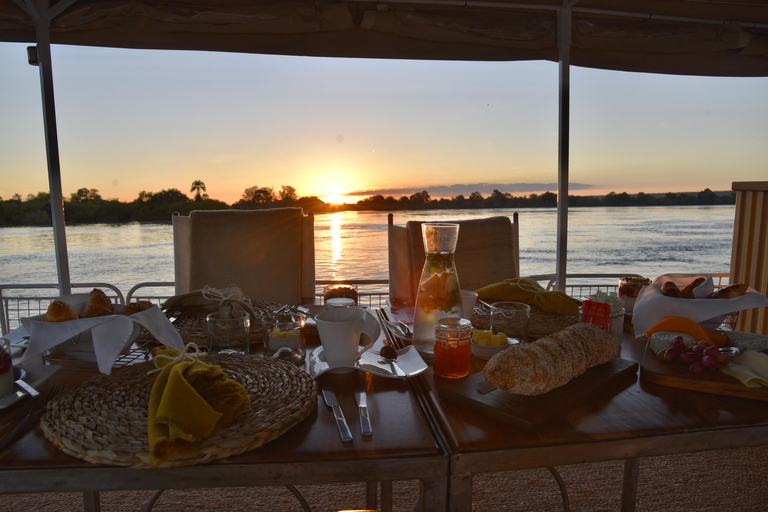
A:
(87, 206)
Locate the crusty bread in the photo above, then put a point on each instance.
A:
(98, 305)
(60, 311)
(729, 292)
(546, 364)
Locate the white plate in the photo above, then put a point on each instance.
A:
(408, 359)
(36, 375)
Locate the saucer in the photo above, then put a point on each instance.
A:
(408, 359)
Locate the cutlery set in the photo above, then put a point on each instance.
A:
(361, 398)
(29, 419)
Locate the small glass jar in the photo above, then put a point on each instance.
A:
(343, 291)
(453, 351)
(612, 322)
(629, 289)
(284, 338)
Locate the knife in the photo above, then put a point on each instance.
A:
(341, 422)
(362, 408)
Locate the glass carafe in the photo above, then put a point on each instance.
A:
(439, 294)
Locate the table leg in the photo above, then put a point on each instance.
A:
(629, 490)
(386, 496)
(91, 501)
(459, 493)
(371, 498)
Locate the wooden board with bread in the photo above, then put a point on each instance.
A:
(533, 383)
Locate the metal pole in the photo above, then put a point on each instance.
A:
(52, 150)
(564, 46)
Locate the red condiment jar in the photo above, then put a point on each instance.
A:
(453, 352)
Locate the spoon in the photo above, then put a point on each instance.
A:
(389, 355)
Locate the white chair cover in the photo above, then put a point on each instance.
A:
(487, 252)
(268, 254)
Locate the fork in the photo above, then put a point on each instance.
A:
(36, 410)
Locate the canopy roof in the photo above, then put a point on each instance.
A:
(692, 37)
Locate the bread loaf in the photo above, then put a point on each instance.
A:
(729, 292)
(552, 361)
(98, 305)
(670, 289)
(60, 311)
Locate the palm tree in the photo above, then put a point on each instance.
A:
(197, 186)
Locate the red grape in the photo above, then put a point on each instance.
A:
(696, 368)
(711, 351)
(722, 359)
(678, 344)
(708, 361)
(688, 357)
(668, 354)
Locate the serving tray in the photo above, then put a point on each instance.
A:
(528, 413)
(676, 375)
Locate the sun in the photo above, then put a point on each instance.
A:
(334, 199)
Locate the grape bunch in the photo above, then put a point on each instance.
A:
(699, 357)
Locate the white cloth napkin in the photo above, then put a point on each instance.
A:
(110, 334)
(652, 305)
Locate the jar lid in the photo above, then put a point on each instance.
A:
(339, 302)
(454, 325)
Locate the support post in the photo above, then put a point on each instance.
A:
(52, 147)
(564, 47)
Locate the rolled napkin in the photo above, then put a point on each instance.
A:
(189, 400)
(750, 368)
(529, 291)
(110, 334)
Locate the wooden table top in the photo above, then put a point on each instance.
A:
(642, 419)
(401, 432)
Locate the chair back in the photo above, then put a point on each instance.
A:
(487, 251)
(269, 254)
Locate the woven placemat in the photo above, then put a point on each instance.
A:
(104, 419)
(542, 323)
(192, 326)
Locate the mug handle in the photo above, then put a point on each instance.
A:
(365, 335)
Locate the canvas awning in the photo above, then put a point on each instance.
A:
(697, 37)
(686, 37)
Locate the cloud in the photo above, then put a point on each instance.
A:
(485, 189)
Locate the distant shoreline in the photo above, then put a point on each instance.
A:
(90, 208)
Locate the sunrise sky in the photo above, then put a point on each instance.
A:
(142, 120)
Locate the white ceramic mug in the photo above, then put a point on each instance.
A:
(468, 301)
(340, 330)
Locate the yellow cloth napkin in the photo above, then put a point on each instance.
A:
(529, 291)
(189, 400)
(750, 368)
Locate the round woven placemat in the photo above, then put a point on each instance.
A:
(104, 419)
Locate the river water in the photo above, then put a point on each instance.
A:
(353, 245)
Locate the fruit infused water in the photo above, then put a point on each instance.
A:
(452, 352)
(439, 294)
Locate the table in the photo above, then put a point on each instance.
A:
(403, 447)
(642, 420)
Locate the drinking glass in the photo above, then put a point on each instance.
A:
(284, 338)
(229, 332)
(511, 318)
(6, 368)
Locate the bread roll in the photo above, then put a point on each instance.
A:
(688, 290)
(729, 292)
(135, 307)
(60, 311)
(538, 367)
(98, 305)
(670, 289)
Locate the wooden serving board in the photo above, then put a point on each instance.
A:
(528, 413)
(676, 375)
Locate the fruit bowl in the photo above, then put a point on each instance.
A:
(481, 344)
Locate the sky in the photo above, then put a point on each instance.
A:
(147, 120)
